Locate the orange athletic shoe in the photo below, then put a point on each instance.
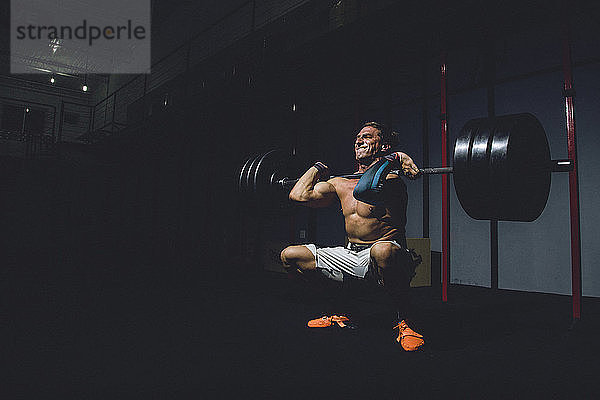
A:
(326, 321)
(408, 339)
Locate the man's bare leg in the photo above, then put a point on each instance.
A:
(300, 261)
(298, 258)
(389, 260)
(391, 263)
(391, 269)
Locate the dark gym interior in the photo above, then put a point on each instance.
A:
(133, 267)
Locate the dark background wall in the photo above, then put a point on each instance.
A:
(155, 195)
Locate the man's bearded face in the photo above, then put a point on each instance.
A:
(368, 144)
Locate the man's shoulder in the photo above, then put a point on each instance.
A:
(337, 180)
(343, 184)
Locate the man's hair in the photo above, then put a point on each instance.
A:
(387, 135)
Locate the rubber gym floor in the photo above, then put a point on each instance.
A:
(164, 333)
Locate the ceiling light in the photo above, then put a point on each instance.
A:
(54, 45)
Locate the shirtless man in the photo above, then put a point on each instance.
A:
(375, 231)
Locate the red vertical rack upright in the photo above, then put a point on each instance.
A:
(569, 92)
(445, 181)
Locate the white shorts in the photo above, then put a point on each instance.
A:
(334, 262)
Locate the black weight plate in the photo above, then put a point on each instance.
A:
(250, 177)
(243, 176)
(274, 163)
(509, 181)
(499, 177)
(527, 169)
(465, 190)
(482, 189)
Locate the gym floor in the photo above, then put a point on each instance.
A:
(158, 333)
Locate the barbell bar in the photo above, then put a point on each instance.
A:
(288, 183)
(555, 165)
(501, 170)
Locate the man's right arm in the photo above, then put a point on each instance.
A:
(312, 193)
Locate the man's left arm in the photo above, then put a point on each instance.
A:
(407, 165)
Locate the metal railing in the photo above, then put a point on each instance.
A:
(27, 128)
(110, 114)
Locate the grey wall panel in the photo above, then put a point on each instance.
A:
(435, 181)
(464, 67)
(526, 52)
(587, 104)
(469, 238)
(584, 34)
(536, 256)
(407, 121)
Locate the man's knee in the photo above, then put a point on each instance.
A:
(298, 256)
(289, 255)
(393, 264)
(385, 253)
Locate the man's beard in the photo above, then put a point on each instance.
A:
(370, 159)
(365, 160)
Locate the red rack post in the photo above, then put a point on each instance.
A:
(445, 181)
(569, 91)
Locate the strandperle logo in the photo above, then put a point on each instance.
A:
(82, 32)
(80, 36)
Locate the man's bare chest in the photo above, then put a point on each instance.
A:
(351, 206)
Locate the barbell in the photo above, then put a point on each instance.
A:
(501, 168)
